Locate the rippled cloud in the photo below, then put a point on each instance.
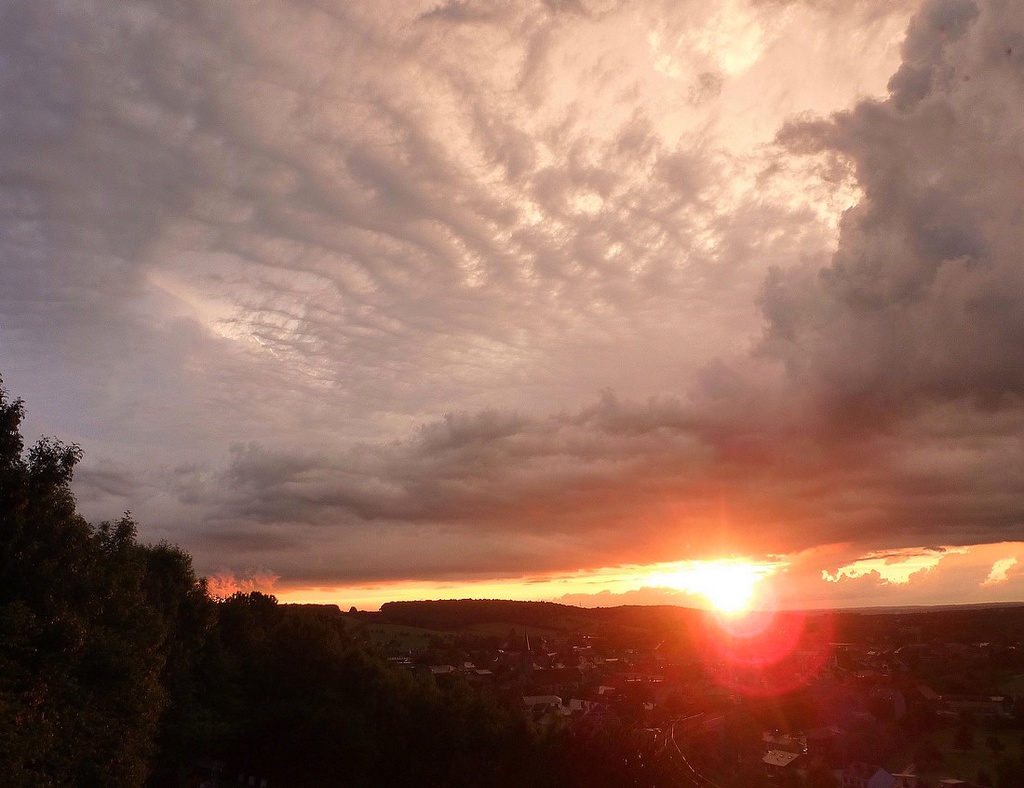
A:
(384, 290)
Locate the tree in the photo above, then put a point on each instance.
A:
(313, 704)
(186, 616)
(91, 626)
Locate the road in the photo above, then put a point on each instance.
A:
(691, 721)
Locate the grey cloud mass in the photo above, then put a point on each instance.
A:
(359, 291)
(923, 300)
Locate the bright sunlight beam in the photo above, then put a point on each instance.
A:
(729, 585)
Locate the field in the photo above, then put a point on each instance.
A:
(963, 764)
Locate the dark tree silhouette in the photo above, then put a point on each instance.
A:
(80, 648)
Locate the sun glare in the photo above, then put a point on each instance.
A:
(728, 585)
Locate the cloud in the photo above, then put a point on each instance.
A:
(641, 596)
(916, 306)
(616, 481)
(336, 288)
(908, 338)
(892, 567)
(841, 576)
(225, 583)
(289, 197)
(1000, 570)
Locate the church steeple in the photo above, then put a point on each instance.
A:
(526, 669)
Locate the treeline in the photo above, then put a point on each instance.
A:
(646, 624)
(996, 624)
(458, 613)
(117, 668)
(999, 626)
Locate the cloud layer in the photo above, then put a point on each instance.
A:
(346, 292)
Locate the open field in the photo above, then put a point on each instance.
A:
(963, 764)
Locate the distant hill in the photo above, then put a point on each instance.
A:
(968, 623)
(459, 613)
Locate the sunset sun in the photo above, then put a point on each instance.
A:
(729, 586)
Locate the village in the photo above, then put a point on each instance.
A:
(890, 705)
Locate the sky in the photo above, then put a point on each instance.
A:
(548, 299)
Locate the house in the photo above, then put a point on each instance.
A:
(778, 762)
(544, 709)
(578, 706)
(531, 701)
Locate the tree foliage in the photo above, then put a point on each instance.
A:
(89, 626)
(314, 707)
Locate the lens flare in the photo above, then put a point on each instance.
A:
(766, 652)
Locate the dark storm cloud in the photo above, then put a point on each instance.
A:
(249, 540)
(491, 469)
(911, 338)
(101, 481)
(615, 475)
(920, 303)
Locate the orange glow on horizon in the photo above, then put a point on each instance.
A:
(729, 586)
(828, 577)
